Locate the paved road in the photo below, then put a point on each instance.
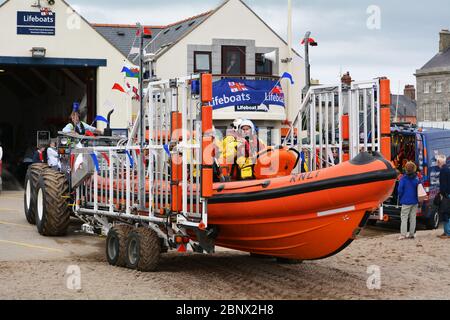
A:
(21, 241)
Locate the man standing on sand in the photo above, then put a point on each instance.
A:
(444, 194)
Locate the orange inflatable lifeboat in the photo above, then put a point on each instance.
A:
(297, 216)
(300, 216)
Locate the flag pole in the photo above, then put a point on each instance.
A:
(289, 64)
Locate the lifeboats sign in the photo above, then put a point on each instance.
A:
(247, 95)
(36, 23)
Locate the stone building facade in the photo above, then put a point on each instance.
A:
(433, 86)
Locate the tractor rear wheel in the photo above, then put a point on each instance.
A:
(53, 211)
(143, 250)
(29, 198)
(116, 245)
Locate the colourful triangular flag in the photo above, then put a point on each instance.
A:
(118, 87)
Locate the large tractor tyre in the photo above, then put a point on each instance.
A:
(143, 250)
(31, 182)
(116, 245)
(29, 199)
(433, 221)
(53, 213)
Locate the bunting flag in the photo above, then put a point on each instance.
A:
(78, 162)
(105, 156)
(118, 87)
(136, 94)
(131, 158)
(95, 160)
(131, 73)
(101, 118)
(89, 134)
(277, 90)
(287, 75)
(166, 148)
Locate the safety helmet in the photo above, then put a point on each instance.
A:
(236, 123)
(248, 123)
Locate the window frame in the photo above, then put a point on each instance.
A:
(427, 87)
(259, 57)
(439, 86)
(209, 53)
(242, 51)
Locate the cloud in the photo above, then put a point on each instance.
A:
(407, 39)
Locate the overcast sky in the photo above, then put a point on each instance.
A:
(407, 37)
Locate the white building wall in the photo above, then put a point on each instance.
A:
(235, 21)
(74, 39)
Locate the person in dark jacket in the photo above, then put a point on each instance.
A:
(444, 193)
(39, 156)
(407, 192)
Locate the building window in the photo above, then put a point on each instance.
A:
(439, 85)
(233, 60)
(420, 115)
(427, 87)
(426, 112)
(202, 62)
(439, 112)
(263, 67)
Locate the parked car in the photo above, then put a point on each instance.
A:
(420, 145)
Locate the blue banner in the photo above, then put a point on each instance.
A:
(36, 23)
(245, 93)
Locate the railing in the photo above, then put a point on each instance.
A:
(108, 180)
(335, 123)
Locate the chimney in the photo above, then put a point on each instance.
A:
(444, 42)
(346, 79)
(410, 92)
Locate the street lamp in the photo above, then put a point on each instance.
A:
(308, 41)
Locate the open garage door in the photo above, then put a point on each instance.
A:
(38, 98)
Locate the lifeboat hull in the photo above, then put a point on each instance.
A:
(305, 216)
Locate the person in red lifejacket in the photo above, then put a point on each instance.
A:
(39, 156)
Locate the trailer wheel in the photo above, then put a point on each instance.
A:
(53, 213)
(116, 245)
(143, 250)
(29, 197)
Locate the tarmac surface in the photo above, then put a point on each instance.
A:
(375, 266)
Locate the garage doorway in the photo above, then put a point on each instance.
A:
(38, 98)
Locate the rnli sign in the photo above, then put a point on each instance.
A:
(247, 95)
(36, 23)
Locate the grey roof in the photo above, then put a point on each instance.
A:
(124, 36)
(172, 33)
(406, 106)
(441, 60)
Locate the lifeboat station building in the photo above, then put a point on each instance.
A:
(51, 57)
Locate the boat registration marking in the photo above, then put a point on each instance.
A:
(336, 211)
